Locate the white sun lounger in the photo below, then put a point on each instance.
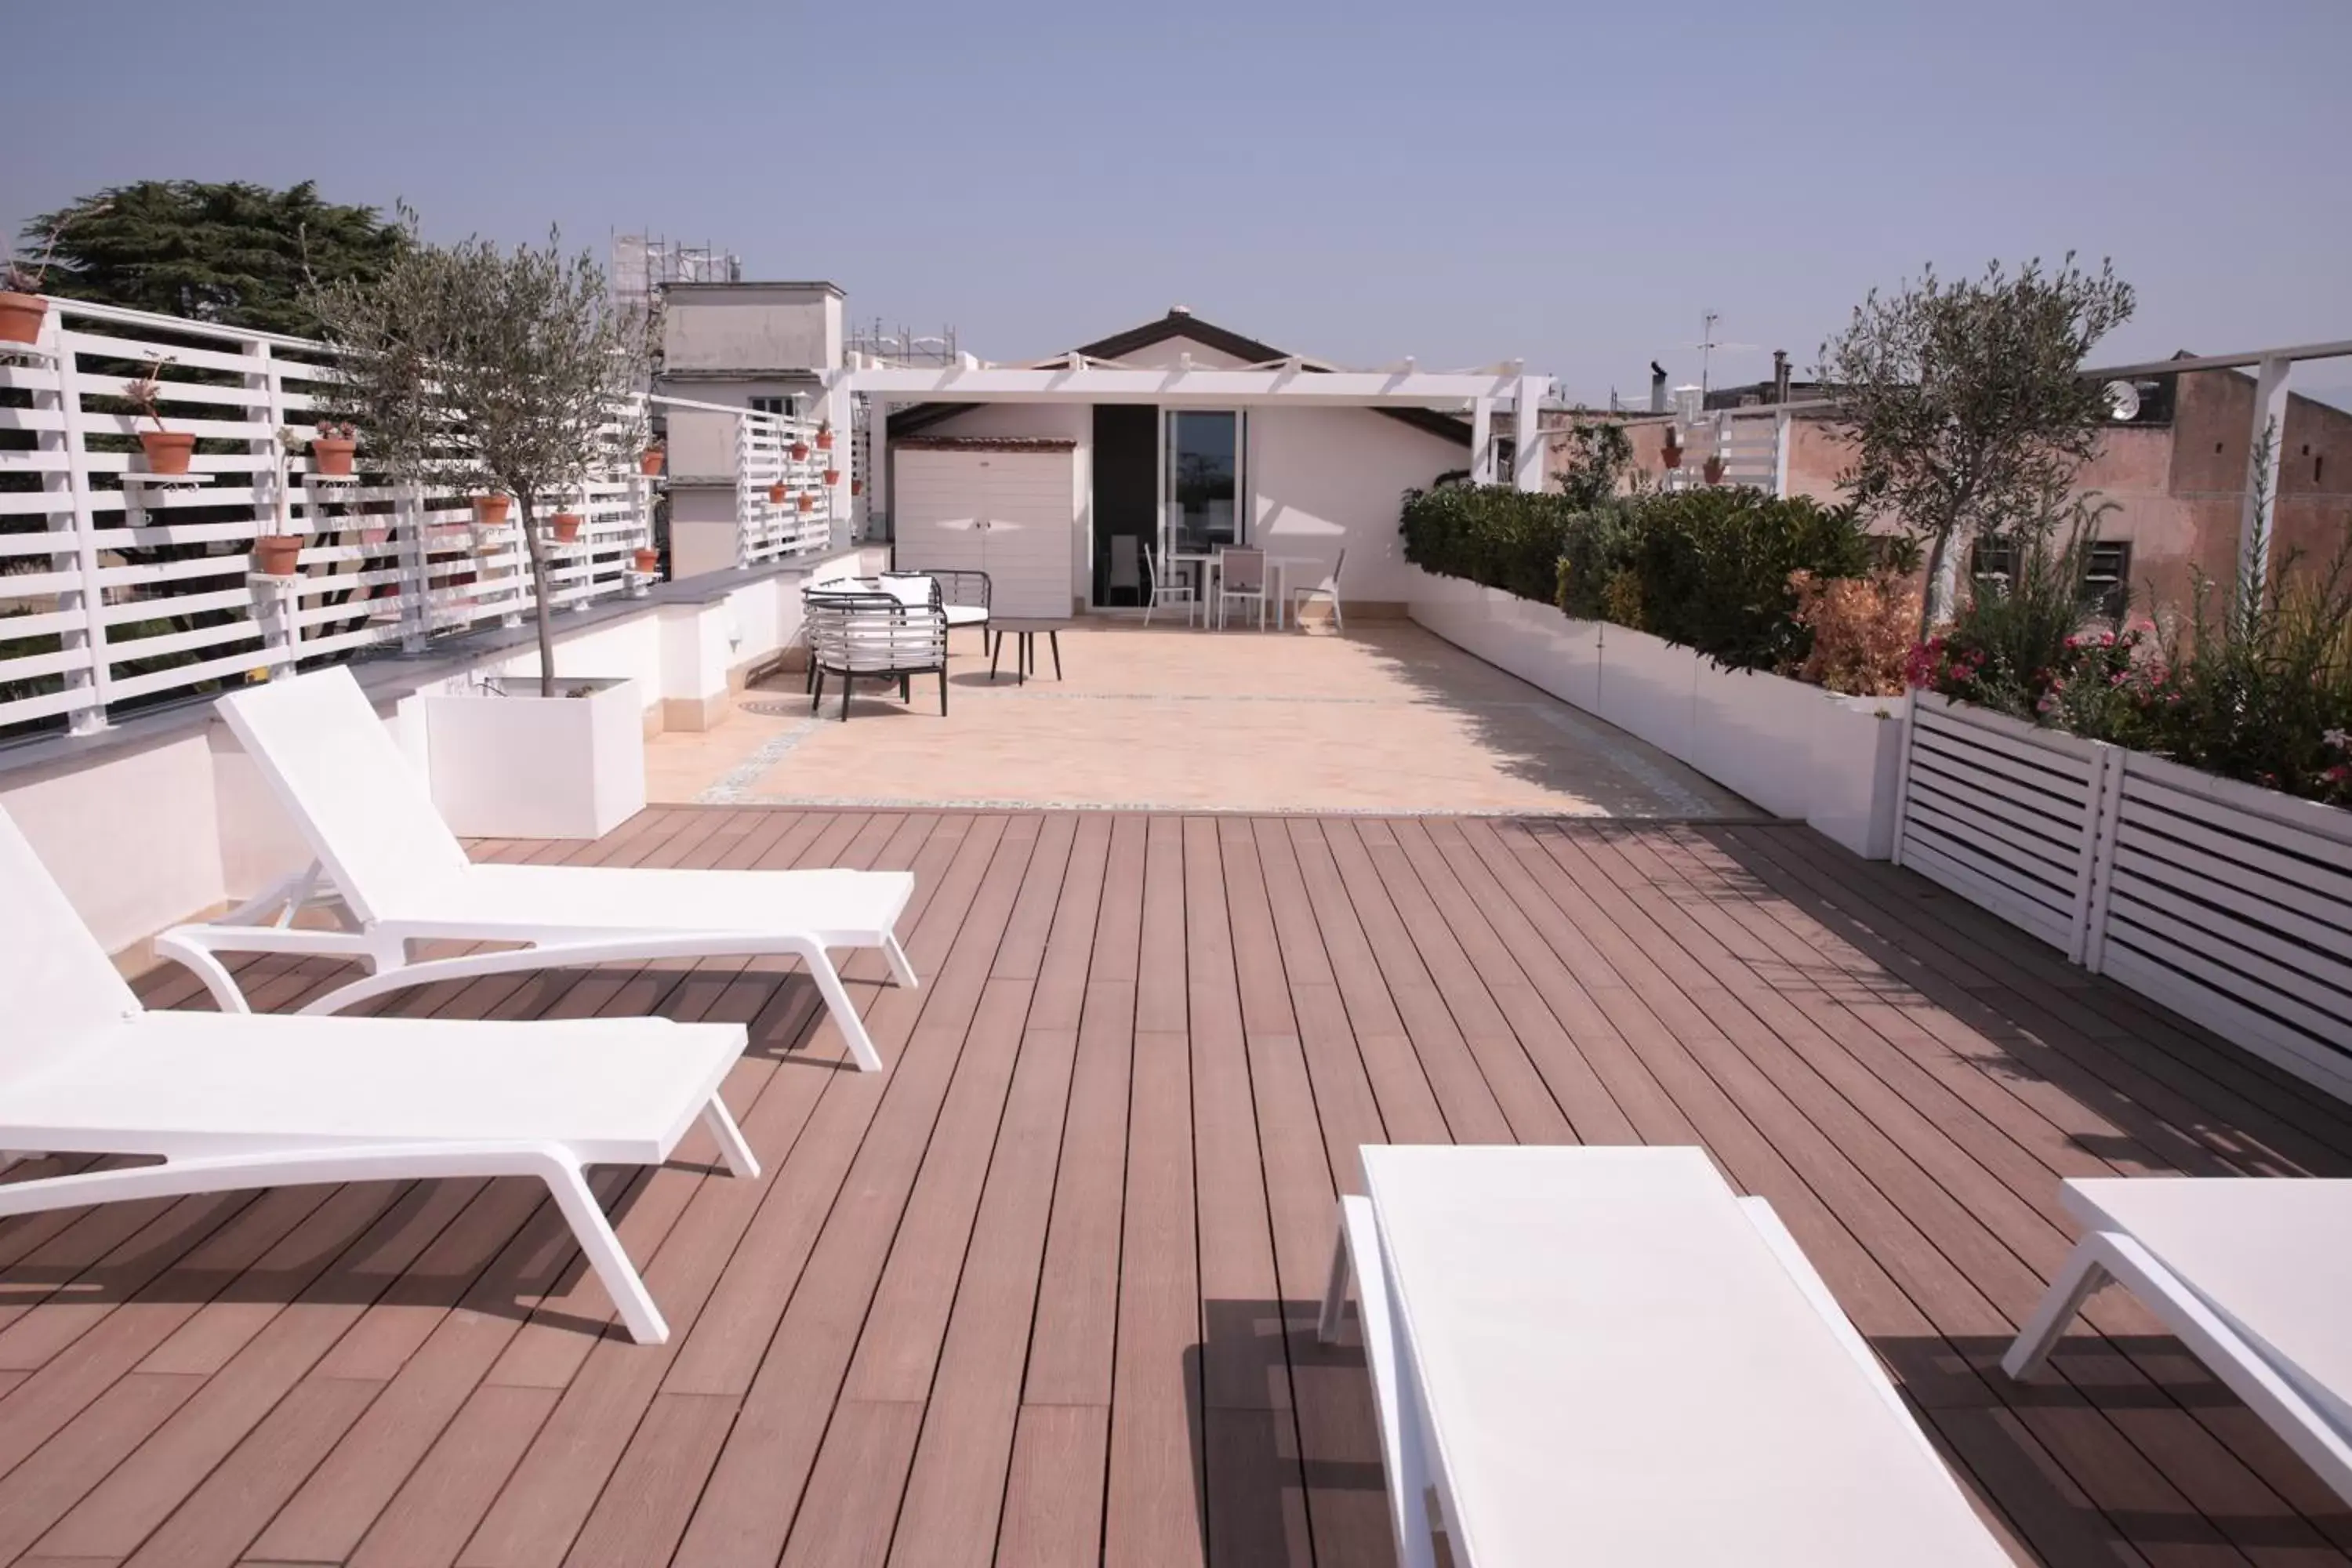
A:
(2255, 1275)
(395, 871)
(1605, 1355)
(230, 1102)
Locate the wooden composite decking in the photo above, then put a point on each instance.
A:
(1043, 1293)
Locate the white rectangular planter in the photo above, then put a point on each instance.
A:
(1795, 750)
(526, 767)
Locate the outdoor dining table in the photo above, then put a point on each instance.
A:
(1206, 560)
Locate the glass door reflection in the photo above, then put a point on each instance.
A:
(1203, 509)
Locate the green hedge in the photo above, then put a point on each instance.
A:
(1707, 569)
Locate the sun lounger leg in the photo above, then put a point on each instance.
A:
(736, 1152)
(843, 1010)
(1335, 1292)
(900, 964)
(594, 1233)
(2085, 1272)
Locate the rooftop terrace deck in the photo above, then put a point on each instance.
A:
(1045, 1291)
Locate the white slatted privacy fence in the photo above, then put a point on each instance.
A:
(1749, 442)
(2228, 904)
(118, 587)
(770, 482)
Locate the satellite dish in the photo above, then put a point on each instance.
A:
(2123, 401)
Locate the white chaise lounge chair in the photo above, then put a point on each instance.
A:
(234, 1101)
(2255, 1275)
(399, 876)
(1605, 1355)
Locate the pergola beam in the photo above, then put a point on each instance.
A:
(1196, 386)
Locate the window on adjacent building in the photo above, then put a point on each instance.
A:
(2107, 579)
(783, 405)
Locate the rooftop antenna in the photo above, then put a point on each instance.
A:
(1706, 346)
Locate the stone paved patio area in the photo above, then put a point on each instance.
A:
(1386, 718)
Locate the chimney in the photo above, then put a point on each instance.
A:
(1780, 375)
(1657, 388)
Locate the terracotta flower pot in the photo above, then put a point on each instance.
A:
(775, 495)
(565, 526)
(490, 511)
(167, 450)
(832, 478)
(1713, 469)
(647, 561)
(1673, 455)
(332, 454)
(649, 461)
(824, 437)
(858, 486)
(277, 554)
(800, 451)
(21, 316)
(807, 502)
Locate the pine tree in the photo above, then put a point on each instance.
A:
(238, 254)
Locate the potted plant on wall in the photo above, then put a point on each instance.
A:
(167, 450)
(506, 370)
(1713, 470)
(824, 437)
(332, 447)
(22, 308)
(649, 461)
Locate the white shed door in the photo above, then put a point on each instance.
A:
(1007, 513)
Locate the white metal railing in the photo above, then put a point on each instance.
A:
(117, 586)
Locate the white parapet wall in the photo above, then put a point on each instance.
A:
(1793, 749)
(165, 819)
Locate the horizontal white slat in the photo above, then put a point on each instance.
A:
(40, 623)
(1982, 819)
(19, 503)
(2319, 1062)
(2233, 975)
(2327, 854)
(2259, 953)
(2324, 924)
(2028, 915)
(182, 355)
(33, 666)
(1965, 776)
(45, 705)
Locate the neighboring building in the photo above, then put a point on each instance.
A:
(739, 345)
(1302, 479)
(2175, 473)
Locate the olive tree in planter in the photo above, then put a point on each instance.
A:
(476, 369)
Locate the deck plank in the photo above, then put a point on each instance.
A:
(1043, 1292)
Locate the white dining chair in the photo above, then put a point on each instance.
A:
(1167, 587)
(1125, 573)
(1328, 588)
(1242, 576)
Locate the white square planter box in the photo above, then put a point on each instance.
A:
(521, 765)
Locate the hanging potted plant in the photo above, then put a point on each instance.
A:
(858, 486)
(647, 560)
(167, 450)
(807, 502)
(277, 554)
(824, 437)
(331, 448)
(22, 308)
(1713, 469)
(800, 450)
(776, 495)
(649, 461)
(1672, 455)
(832, 478)
(564, 526)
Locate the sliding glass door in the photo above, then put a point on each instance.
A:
(1202, 502)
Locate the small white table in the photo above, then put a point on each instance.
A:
(1606, 1355)
(1206, 560)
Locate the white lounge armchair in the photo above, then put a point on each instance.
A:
(2252, 1274)
(1606, 1355)
(1167, 586)
(1243, 577)
(391, 870)
(229, 1101)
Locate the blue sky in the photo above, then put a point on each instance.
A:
(1571, 184)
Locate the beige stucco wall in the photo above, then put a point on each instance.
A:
(751, 326)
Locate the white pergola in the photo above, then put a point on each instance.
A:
(1293, 383)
